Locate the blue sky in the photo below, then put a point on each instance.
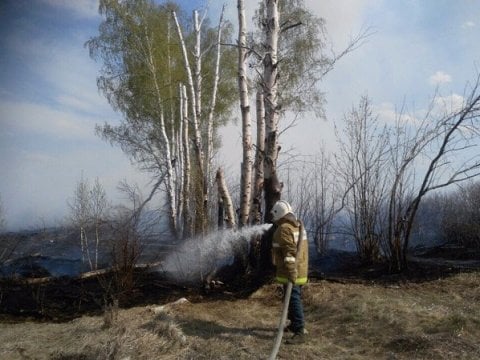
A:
(49, 103)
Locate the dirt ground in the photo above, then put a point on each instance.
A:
(435, 318)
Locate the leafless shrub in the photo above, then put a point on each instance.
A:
(361, 165)
(429, 154)
(461, 216)
(110, 314)
(3, 221)
(8, 243)
(315, 195)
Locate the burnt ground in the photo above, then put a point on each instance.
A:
(65, 298)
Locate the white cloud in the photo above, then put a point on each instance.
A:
(351, 13)
(468, 25)
(440, 77)
(343, 18)
(23, 117)
(449, 104)
(80, 8)
(75, 102)
(388, 113)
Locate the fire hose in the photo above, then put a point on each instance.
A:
(283, 320)
(286, 303)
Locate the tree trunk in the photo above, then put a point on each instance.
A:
(246, 188)
(270, 74)
(165, 143)
(187, 215)
(209, 125)
(226, 199)
(179, 166)
(198, 148)
(256, 209)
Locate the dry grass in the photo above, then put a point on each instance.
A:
(431, 320)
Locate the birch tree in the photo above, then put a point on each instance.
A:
(88, 212)
(142, 64)
(200, 132)
(272, 186)
(194, 89)
(294, 53)
(256, 210)
(246, 182)
(187, 214)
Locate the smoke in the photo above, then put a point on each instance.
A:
(198, 256)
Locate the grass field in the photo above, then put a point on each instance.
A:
(438, 319)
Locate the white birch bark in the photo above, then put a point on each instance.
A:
(197, 65)
(199, 156)
(226, 199)
(270, 74)
(187, 219)
(246, 183)
(256, 216)
(180, 163)
(172, 114)
(165, 143)
(170, 185)
(209, 142)
(193, 97)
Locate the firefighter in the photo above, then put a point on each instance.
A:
(291, 264)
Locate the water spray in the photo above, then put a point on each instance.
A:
(200, 255)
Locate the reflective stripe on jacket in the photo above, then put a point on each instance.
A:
(289, 264)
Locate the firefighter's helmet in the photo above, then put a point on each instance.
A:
(280, 209)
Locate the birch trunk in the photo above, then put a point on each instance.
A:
(198, 148)
(256, 211)
(187, 217)
(209, 125)
(226, 199)
(270, 73)
(164, 142)
(179, 168)
(197, 66)
(172, 113)
(169, 183)
(246, 182)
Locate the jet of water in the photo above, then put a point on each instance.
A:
(200, 255)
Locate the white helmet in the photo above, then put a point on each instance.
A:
(280, 209)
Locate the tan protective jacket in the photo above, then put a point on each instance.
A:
(290, 263)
